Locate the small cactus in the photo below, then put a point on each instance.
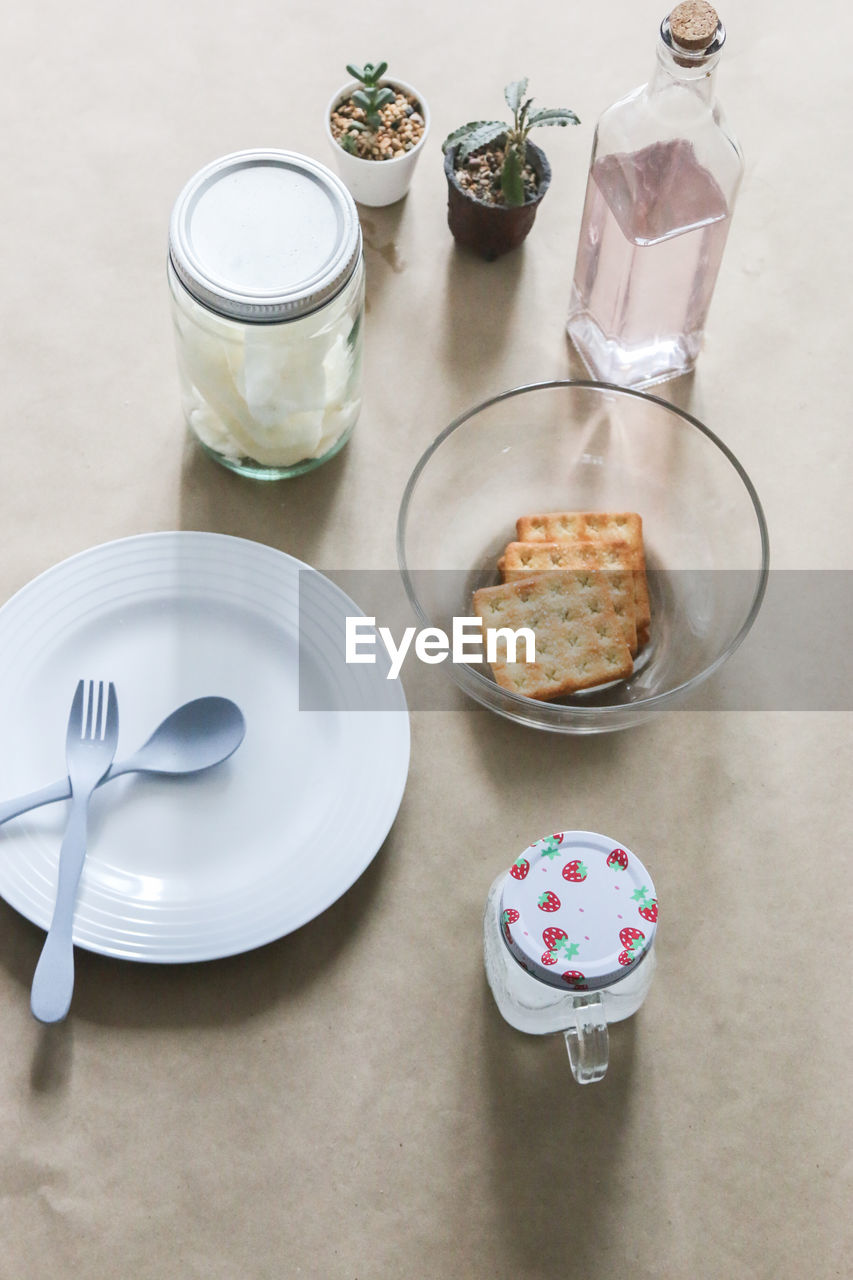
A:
(372, 98)
(479, 133)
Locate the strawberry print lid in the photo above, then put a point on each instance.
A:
(578, 910)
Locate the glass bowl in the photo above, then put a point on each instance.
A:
(589, 446)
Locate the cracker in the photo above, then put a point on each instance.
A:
(594, 526)
(579, 638)
(616, 560)
(564, 526)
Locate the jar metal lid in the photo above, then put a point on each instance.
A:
(578, 911)
(264, 235)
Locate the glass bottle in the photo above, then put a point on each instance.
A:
(663, 178)
(266, 278)
(568, 942)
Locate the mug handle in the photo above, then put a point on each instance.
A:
(587, 1040)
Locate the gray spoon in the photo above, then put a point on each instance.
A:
(199, 734)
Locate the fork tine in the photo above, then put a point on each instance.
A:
(86, 725)
(101, 719)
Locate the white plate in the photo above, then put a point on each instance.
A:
(220, 862)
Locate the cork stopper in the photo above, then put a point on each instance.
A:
(693, 25)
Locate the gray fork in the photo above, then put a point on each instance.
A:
(90, 746)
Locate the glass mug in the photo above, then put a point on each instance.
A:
(568, 937)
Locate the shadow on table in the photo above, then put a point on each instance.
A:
(521, 760)
(122, 994)
(480, 299)
(290, 515)
(559, 1167)
(382, 257)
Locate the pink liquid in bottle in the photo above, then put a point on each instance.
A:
(654, 228)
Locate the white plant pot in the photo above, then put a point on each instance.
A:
(377, 182)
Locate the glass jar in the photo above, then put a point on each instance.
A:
(664, 174)
(568, 939)
(266, 279)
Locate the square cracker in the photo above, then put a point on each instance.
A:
(595, 526)
(579, 639)
(617, 561)
(564, 526)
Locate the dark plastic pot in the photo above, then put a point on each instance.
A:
(491, 229)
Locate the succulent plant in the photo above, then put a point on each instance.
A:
(479, 133)
(373, 97)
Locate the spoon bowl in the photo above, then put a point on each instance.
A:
(196, 736)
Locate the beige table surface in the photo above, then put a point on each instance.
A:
(306, 1110)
